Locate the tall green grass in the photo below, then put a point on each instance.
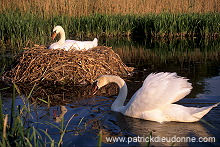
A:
(15, 132)
(23, 29)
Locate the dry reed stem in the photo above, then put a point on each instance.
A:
(88, 7)
(48, 67)
(5, 125)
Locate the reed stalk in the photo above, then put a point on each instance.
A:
(1, 115)
(88, 7)
(18, 134)
(4, 126)
(100, 139)
(25, 29)
(13, 107)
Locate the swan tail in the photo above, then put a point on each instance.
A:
(95, 42)
(200, 112)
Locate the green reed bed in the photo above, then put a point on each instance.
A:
(21, 29)
(18, 129)
(15, 130)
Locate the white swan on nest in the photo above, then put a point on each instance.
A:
(70, 44)
(153, 101)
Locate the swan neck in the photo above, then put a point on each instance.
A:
(118, 104)
(62, 37)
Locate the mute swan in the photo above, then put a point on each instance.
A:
(153, 101)
(70, 44)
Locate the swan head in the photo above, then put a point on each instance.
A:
(100, 82)
(106, 79)
(56, 30)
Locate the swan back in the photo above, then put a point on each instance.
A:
(79, 45)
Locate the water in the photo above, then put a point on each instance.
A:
(92, 115)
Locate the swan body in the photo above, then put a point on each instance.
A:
(70, 44)
(154, 100)
(79, 45)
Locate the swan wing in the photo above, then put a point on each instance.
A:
(69, 44)
(179, 113)
(70, 41)
(158, 90)
(85, 44)
(54, 46)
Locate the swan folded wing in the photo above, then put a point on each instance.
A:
(158, 90)
(85, 44)
(66, 45)
(80, 45)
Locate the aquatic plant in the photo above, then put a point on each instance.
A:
(15, 132)
(24, 29)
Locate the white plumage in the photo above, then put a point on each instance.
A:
(154, 100)
(70, 44)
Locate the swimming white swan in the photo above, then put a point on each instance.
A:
(153, 101)
(70, 44)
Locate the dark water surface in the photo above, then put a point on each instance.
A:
(89, 117)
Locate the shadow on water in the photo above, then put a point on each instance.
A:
(195, 59)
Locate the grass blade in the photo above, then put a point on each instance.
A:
(13, 107)
(100, 139)
(5, 125)
(1, 114)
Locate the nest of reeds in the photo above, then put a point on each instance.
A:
(42, 66)
(63, 95)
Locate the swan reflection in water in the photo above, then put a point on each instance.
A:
(58, 118)
(177, 134)
(113, 124)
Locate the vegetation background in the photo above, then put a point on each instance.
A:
(24, 23)
(88, 7)
(27, 22)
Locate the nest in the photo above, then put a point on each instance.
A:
(63, 95)
(42, 66)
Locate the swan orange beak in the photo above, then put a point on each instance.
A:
(53, 35)
(95, 89)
